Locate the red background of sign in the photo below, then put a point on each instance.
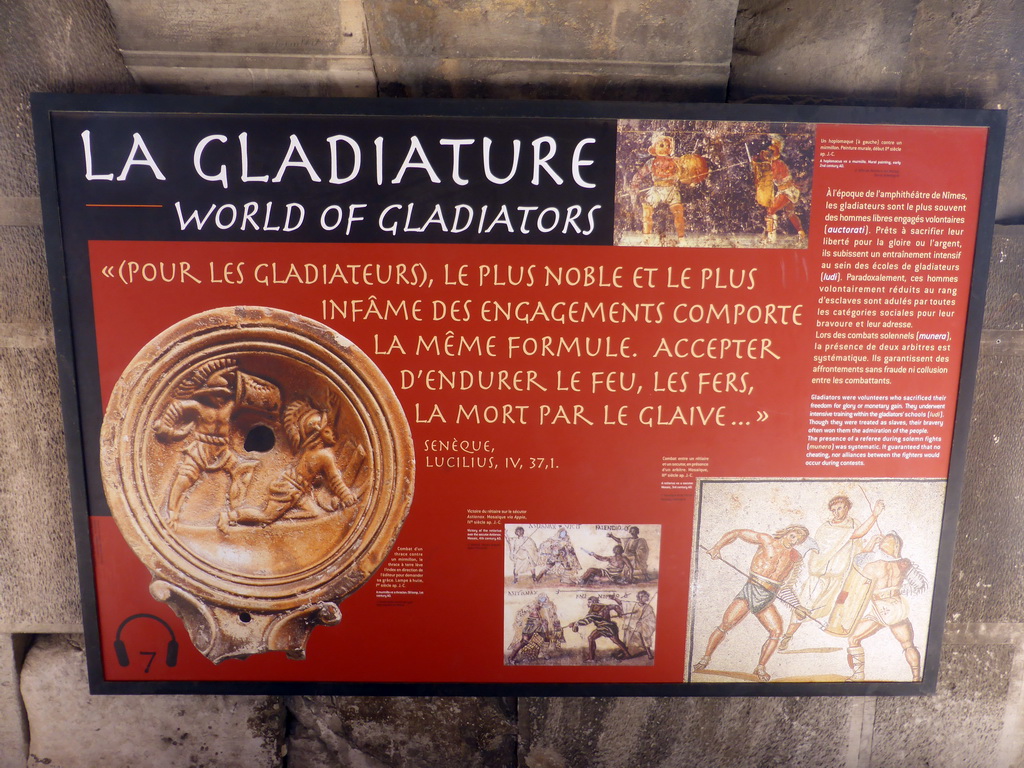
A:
(606, 473)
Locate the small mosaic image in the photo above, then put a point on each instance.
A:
(581, 594)
(813, 581)
(710, 184)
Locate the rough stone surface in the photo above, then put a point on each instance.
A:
(537, 79)
(990, 527)
(13, 727)
(1004, 299)
(811, 51)
(372, 732)
(230, 26)
(214, 75)
(578, 49)
(21, 212)
(39, 591)
(657, 49)
(968, 54)
(24, 287)
(247, 47)
(69, 728)
(61, 46)
(670, 733)
(988, 564)
(960, 726)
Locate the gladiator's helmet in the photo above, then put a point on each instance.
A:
(213, 378)
(304, 422)
(657, 137)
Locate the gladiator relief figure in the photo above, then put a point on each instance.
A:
(311, 436)
(617, 571)
(773, 569)
(602, 617)
(660, 177)
(775, 188)
(890, 577)
(636, 551)
(539, 631)
(200, 415)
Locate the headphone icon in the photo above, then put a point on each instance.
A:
(121, 651)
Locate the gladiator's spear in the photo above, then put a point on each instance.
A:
(726, 167)
(629, 617)
(780, 598)
(870, 507)
(632, 194)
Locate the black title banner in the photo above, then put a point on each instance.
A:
(355, 178)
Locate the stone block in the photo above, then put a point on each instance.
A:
(21, 212)
(247, 47)
(984, 587)
(39, 583)
(810, 51)
(990, 535)
(400, 732)
(241, 26)
(502, 78)
(670, 732)
(248, 75)
(13, 725)
(961, 725)
(573, 49)
(667, 31)
(969, 55)
(24, 285)
(71, 729)
(1004, 298)
(49, 45)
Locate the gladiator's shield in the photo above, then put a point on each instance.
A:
(258, 394)
(763, 184)
(693, 169)
(850, 604)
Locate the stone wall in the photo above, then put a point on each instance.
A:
(896, 52)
